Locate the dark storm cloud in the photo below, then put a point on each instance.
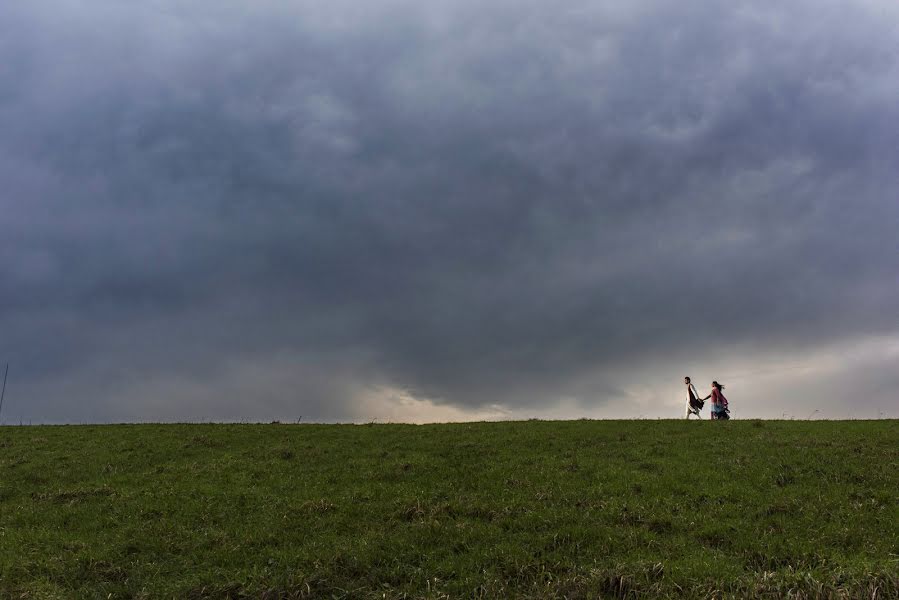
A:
(479, 204)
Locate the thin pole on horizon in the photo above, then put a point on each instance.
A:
(3, 393)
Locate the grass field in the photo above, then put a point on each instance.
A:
(535, 509)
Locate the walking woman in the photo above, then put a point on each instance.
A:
(719, 402)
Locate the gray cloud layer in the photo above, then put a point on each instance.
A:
(228, 210)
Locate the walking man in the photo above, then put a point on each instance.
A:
(694, 403)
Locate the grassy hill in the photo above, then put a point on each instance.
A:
(531, 509)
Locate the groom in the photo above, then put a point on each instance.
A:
(694, 402)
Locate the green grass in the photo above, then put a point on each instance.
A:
(531, 509)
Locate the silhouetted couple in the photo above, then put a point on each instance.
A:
(695, 403)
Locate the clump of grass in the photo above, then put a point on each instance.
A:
(660, 526)
(319, 506)
(785, 476)
(72, 496)
(204, 441)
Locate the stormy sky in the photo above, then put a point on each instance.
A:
(425, 211)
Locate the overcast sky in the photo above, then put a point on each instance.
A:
(397, 210)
